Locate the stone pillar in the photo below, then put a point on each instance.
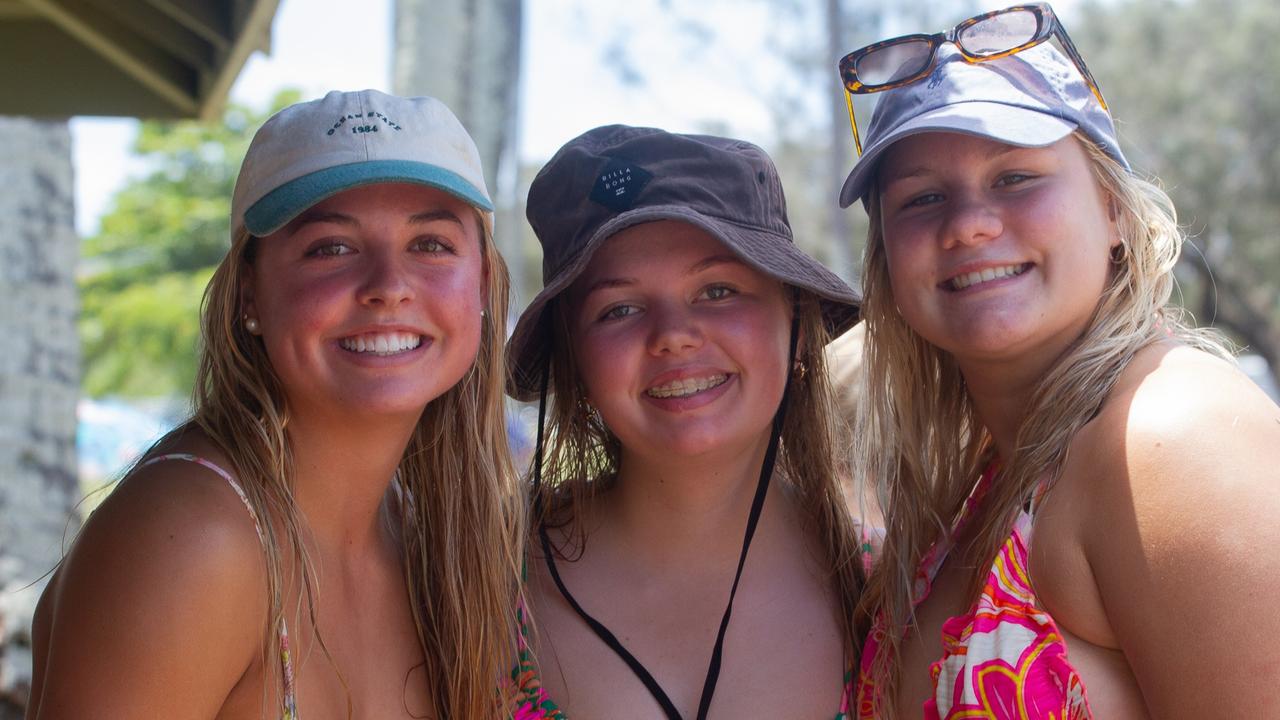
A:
(39, 379)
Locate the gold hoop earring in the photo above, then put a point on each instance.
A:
(1120, 252)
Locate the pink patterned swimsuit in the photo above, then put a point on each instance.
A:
(1004, 659)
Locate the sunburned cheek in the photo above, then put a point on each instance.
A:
(463, 287)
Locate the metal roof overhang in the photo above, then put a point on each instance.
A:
(136, 58)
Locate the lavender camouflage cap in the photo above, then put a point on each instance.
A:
(1033, 98)
(614, 177)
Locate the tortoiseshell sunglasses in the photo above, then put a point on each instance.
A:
(903, 60)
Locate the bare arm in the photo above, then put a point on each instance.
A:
(1186, 541)
(158, 609)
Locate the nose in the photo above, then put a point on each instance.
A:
(971, 220)
(386, 281)
(673, 329)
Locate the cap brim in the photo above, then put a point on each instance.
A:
(1009, 124)
(286, 202)
(771, 254)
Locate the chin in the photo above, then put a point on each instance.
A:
(697, 442)
(392, 402)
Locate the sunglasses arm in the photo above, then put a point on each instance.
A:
(853, 123)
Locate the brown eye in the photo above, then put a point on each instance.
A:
(922, 200)
(618, 312)
(331, 248)
(1013, 178)
(432, 244)
(717, 292)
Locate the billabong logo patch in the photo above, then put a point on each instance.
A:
(359, 123)
(619, 183)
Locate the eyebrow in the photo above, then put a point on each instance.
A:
(709, 262)
(320, 216)
(697, 267)
(434, 215)
(323, 216)
(889, 177)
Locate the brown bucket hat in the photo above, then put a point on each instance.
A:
(613, 177)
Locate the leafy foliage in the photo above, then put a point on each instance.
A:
(144, 273)
(1193, 84)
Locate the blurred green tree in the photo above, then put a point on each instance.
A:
(1195, 86)
(143, 274)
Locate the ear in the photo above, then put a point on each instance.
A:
(1113, 214)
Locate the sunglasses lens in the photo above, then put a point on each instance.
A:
(893, 63)
(999, 33)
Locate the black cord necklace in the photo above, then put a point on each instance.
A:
(753, 519)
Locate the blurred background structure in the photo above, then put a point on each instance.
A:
(168, 58)
(110, 227)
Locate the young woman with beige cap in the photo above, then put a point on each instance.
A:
(677, 351)
(335, 531)
(1080, 488)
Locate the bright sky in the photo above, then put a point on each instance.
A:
(711, 65)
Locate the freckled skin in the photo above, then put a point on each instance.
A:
(318, 282)
(725, 320)
(955, 203)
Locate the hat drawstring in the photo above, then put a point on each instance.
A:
(753, 519)
(537, 452)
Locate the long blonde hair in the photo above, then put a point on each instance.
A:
(920, 440)
(582, 455)
(461, 511)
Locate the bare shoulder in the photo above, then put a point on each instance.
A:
(162, 595)
(1181, 473)
(1179, 415)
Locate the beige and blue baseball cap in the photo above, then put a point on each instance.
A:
(313, 150)
(1033, 98)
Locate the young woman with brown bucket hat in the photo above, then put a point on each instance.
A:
(693, 553)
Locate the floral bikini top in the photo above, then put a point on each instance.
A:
(1005, 658)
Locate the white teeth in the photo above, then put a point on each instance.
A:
(961, 282)
(381, 343)
(686, 387)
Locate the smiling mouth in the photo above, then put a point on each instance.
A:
(381, 343)
(967, 280)
(686, 387)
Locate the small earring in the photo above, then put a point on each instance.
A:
(798, 370)
(589, 411)
(251, 324)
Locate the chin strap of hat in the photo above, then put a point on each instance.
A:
(753, 519)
